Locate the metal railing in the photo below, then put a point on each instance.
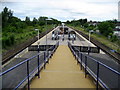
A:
(96, 69)
(46, 54)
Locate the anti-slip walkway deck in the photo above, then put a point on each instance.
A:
(62, 72)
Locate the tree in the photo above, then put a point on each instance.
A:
(106, 28)
(42, 20)
(86, 25)
(27, 21)
(35, 21)
(6, 16)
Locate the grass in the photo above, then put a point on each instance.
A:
(28, 33)
(104, 40)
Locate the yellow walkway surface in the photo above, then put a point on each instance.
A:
(62, 72)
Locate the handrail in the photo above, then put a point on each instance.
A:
(106, 66)
(98, 63)
(27, 60)
(102, 64)
(10, 69)
(20, 64)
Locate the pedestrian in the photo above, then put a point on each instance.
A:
(63, 38)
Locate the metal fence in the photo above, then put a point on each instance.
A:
(105, 76)
(22, 73)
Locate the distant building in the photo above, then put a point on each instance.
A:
(116, 31)
(94, 23)
(119, 11)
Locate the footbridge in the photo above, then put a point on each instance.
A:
(62, 59)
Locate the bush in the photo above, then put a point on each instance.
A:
(12, 39)
(106, 28)
(8, 41)
(114, 38)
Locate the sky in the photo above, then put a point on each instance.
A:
(63, 10)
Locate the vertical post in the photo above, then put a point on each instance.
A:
(78, 57)
(46, 32)
(44, 59)
(38, 55)
(38, 64)
(85, 66)
(38, 34)
(97, 75)
(28, 75)
(46, 44)
(89, 43)
(48, 56)
(81, 61)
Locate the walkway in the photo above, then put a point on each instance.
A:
(62, 72)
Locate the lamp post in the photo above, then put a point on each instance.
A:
(38, 55)
(46, 28)
(90, 31)
(46, 37)
(38, 36)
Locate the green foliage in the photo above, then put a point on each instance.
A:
(85, 25)
(113, 42)
(6, 16)
(27, 21)
(114, 38)
(15, 31)
(106, 28)
(35, 21)
(8, 40)
(79, 22)
(91, 27)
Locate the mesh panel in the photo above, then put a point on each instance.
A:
(109, 77)
(13, 78)
(92, 65)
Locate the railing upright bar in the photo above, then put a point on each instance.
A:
(81, 60)
(28, 75)
(97, 75)
(44, 59)
(78, 58)
(47, 56)
(38, 64)
(85, 66)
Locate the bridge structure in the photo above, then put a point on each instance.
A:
(61, 63)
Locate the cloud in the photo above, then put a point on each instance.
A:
(64, 9)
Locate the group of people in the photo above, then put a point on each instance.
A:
(57, 34)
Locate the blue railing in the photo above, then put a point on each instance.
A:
(47, 55)
(90, 70)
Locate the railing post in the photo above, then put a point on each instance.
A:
(28, 75)
(85, 66)
(97, 75)
(47, 56)
(81, 60)
(78, 57)
(44, 59)
(38, 64)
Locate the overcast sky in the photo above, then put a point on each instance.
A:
(96, 10)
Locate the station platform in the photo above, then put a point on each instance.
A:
(62, 72)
